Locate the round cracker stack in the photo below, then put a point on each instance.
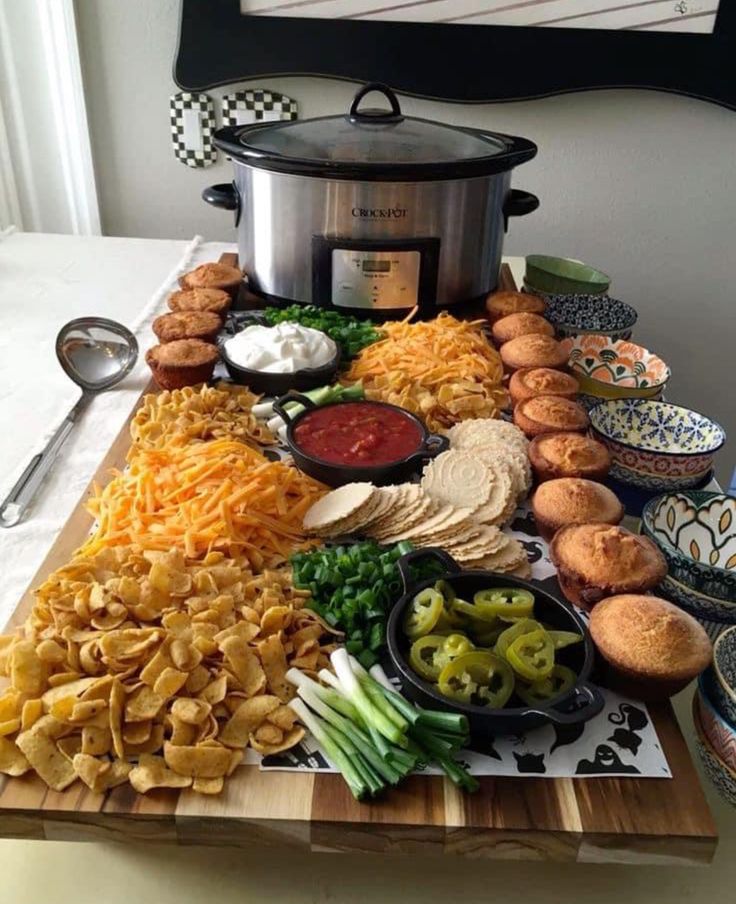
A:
(464, 497)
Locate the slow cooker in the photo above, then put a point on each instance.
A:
(373, 210)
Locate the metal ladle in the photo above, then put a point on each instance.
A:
(96, 353)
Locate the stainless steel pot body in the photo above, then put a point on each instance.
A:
(280, 214)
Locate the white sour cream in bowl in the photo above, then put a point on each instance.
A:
(281, 349)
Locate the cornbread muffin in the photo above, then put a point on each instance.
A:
(594, 561)
(534, 381)
(213, 275)
(214, 300)
(651, 648)
(501, 304)
(202, 325)
(571, 500)
(533, 350)
(550, 414)
(554, 455)
(524, 324)
(183, 362)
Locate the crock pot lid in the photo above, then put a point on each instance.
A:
(372, 137)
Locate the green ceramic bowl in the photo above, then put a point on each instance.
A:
(561, 276)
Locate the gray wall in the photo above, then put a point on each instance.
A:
(640, 184)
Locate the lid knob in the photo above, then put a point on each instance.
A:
(372, 115)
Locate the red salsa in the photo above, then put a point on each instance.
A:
(358, 434)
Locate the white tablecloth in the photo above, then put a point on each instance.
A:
(46, 280)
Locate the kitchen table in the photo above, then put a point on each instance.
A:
(44, 281)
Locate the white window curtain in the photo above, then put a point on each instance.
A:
(46, 171)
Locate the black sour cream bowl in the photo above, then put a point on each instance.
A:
(580, 703)
(336, 475)
(272, 384)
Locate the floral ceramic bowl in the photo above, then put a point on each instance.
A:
(654, 444)
(721, 734)
(696, 531)
(614, 369)
(714, 615)
(723, 778)
(577, 315)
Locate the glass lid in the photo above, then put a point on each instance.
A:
(374, 143)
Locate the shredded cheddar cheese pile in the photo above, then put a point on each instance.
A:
(217, 495)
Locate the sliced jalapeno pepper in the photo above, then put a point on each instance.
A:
(559, 680)
(447, 591)
(449, 621)
(562, 639)
(424, 656)
(431, 653)
(423, 614)
(480, 678)
(531, 656)
(525, 626)
(505, 601)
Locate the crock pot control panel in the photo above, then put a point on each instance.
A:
(384, 275)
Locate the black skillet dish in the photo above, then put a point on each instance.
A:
(270, 384)
(336, 475)
(579, 704)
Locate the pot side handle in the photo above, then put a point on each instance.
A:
(225, 195)
(291, 396)
(518, 204)
(593, 704)
(416, 555)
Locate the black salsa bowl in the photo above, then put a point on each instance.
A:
(580, 703)
(336, 475)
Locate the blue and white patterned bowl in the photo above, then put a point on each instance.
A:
(711, 688)
(724, 661)
(578, 315)
(656, 445)
(696, 531)
(723, 778)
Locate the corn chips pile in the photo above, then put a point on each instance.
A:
(147, 667)
(443, 370)
(192, 414)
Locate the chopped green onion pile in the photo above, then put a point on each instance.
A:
(349, 333)
(371, 733)
(354, 587)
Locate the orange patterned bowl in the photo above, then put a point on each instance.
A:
(614, 369)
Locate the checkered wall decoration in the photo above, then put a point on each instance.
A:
(192, 128)
(243, 107)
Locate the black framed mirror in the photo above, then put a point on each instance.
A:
(458, 61)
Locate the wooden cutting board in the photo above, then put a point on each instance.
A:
(619, 820)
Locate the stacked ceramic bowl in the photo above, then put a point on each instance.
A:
(657, 446)
(580, 315)
(614, 369)
(546, 275)
(696, 532)
(714, 714)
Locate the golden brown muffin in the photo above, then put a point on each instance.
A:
(501, 304)
(213, 275)
(534, 381)
(524, 324)
(651, 648)
(571, 500)
(550, 414)
(533, 350)
(183, 362)
(214, 300)
(594, 561)
(202, 325)
(554, 455)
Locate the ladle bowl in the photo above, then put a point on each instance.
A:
(96, 353)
